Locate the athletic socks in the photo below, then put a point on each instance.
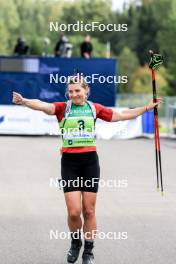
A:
(76, 237)
(88, 245)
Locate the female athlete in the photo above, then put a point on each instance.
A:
(79, 161)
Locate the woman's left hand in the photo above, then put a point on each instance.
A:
(151, 105)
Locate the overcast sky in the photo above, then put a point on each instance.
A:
(118, 4)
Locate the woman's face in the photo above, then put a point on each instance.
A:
(77, 93)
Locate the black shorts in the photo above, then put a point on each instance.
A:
(80, 172)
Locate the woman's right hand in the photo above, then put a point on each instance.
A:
(17, 98)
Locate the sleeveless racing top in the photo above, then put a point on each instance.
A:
(78, 125)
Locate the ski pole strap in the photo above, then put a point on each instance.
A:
(155, 61)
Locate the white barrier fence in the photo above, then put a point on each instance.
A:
(20, 120)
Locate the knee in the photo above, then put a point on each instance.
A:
(74, 215)
(88, 213)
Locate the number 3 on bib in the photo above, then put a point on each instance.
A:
(81, 124)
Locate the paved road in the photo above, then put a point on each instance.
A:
(31, 207)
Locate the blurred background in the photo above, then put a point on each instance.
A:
(24, 31)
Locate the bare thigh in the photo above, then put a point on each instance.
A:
(73, 202)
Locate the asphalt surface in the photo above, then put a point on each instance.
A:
(31, 208)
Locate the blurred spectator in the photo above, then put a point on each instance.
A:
(86, 47)
(21, 48)
(46, 42)
(63, 48)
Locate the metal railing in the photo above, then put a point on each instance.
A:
(167, 110)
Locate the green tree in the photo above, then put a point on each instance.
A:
(9, 22)
(128, 63)
(153, 15)
(167, 43)
(140, 81)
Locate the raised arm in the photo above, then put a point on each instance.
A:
(133, 113)
(34, 104)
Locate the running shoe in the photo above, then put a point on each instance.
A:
(73, 252)
(88, 257)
